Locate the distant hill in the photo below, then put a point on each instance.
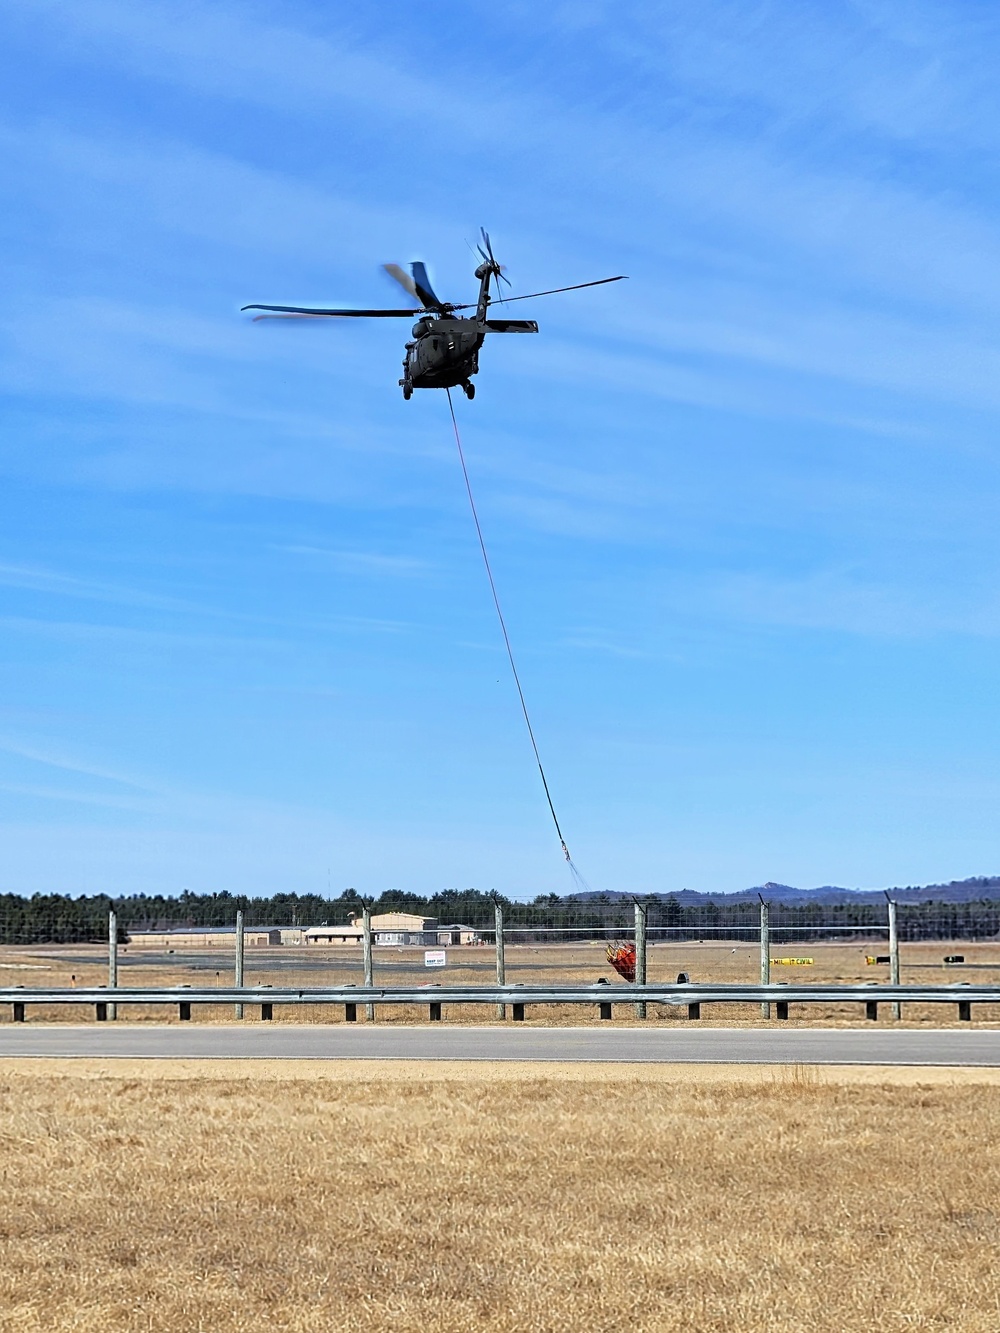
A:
(956, 891)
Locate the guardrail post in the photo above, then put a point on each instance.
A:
(18, 1007)
(897, 1008)
(184, 1011)
(781, 1008)
(266, 1012)
(517, 1012)
(366, 923)
(240, 945)
(965, 1011)
(501, 966)
(640, 955)
(871, 1010)
(765, 952)
(605, 1005)
(101, 1011)
(350, 1013)
(435, 1008)
(694, 1008)
(112, 959)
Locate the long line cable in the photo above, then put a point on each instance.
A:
(506, 637)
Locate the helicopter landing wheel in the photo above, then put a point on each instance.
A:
(407, 392)
(470, 390)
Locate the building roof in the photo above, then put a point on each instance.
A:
(201, 930)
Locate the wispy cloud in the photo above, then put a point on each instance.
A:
(226, 52)
(37, 579)
(64, 796)
(596, 641)
(837, 600)
(361, 562)
(67, 763)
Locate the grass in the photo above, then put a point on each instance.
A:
(145, 1196)
(530, 964)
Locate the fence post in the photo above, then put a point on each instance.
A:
(501, 968)
(112, 959)
(765, 952)
(239, 956)
(897, 1008)
(366, 922)
(640, 955)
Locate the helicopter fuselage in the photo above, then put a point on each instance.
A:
(443, 353)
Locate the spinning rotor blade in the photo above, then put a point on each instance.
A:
(403, 278)
(289, 319)
(424, 290)
(528, 296)
(419, 285)
(337, 314)
(491, 258)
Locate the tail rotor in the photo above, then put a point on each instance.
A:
(496, 270)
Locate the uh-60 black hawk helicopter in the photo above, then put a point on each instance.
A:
(444, 351)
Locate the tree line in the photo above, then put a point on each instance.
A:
(62, 919)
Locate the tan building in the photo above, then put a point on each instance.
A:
(204, 937)
(393, 928)
(457, 934)
(349, 934)
(387, 928)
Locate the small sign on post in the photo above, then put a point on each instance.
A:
(435, 958)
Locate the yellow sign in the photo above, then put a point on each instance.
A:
(792, 962)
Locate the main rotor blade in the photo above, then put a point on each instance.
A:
(528, 296)
(422, 287)
(575, 288)
(403, 278)
(289, 319)
(339, 314)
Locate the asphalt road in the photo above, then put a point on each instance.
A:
(642, 1045)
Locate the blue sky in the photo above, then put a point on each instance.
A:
(742, 508)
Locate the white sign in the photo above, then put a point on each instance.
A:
(435, 958)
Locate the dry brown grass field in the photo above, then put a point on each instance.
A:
(147, 1196)
(531, 964)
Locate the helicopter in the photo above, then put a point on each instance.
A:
(444, 350)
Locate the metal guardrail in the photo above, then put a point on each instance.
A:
(692, 994)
